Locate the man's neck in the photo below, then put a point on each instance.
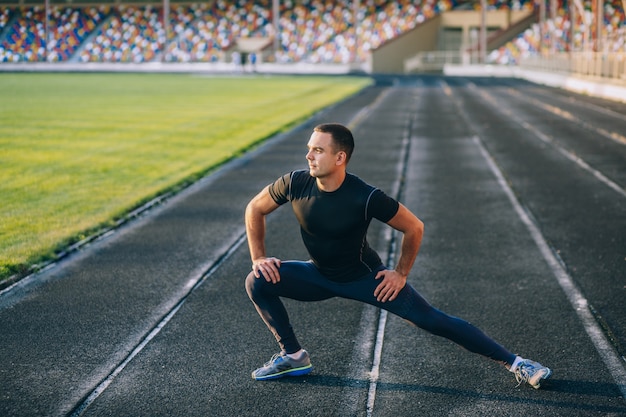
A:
(332, 182)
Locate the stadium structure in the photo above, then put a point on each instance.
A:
(374, 36)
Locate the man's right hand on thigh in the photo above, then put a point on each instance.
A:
(268, 267)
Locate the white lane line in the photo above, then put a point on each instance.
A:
(80, 409)
(611, 359)
(374, 373)
(109, 379)
(572, 157)
(378, 352)
(367, 110)
(391, 236)
(543, 137)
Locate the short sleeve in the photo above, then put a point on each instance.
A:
(279, 190)
(381, 206)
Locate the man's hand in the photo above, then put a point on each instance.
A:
(391, 285)
(268, 267)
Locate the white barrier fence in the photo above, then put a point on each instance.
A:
(437, 60)
(608, 66)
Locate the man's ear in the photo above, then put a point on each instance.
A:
(341, 158)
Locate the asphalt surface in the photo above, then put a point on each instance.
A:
(153, 319)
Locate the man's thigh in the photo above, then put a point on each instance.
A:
(408, 301)
(300, 281)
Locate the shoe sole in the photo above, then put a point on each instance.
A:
(538, 382)
(289, 372)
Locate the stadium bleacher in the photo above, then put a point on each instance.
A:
(312, 31)
(71, 27)
(129, 34)
(203, 33)
(5, 17)
(23, 36)
(557, 33)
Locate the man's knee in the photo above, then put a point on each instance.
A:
(252, 284)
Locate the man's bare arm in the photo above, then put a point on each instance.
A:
(412, 230)
(256, 211)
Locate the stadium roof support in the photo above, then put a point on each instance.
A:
(355, 20)
(599, 24)
(275, 18)
(572, 28)
(542, 20)
(483, 31)
(166, 27)
(553, 7)
(46, 28)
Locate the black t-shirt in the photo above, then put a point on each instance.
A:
(334, 224)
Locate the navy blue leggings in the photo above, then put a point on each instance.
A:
(302, 281)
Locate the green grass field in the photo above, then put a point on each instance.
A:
(78, 151)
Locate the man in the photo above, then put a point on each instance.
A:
(334, 209)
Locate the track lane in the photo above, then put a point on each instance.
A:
(478, 261)
(474, 263)
(582, 220)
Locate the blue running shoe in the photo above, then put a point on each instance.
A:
(282, 365)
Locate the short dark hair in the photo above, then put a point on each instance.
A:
(342, 137)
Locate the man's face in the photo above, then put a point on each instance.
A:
(322, 158)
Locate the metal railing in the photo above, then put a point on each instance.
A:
(436, 60)
(592, 64)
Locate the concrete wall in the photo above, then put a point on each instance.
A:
(389, 57)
